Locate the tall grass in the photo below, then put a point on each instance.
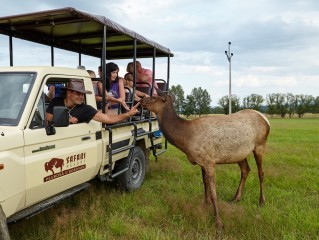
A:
(169, 204)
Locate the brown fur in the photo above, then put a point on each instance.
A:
(212, 140)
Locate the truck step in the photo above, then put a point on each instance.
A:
(37, 208)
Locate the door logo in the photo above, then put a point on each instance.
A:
(54, 163)
(55, 166)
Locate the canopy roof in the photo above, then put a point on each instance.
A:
(81, 32)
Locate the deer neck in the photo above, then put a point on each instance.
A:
(176, 130)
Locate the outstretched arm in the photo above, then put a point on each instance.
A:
(110, 119)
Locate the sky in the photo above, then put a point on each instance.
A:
(274, 43)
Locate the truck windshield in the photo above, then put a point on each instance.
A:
(14, 91)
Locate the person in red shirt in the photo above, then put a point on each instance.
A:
(142, 75)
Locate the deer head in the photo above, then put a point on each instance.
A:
(154, 103)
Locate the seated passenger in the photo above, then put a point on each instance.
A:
(128, 82)
(55, 90)
(79, 111)
(143, 75)
(115, 92)
(98, 97)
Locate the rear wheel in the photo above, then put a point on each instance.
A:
(133, 178)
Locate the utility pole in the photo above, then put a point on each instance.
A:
(229, 56)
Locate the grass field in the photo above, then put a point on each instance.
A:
(168, 206)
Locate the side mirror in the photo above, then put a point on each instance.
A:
(60, 116)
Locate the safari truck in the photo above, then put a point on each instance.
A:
(42, 163)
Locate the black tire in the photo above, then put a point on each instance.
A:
(133, 178)
(4, 232)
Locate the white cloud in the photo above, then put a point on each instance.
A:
(275, 43)
(289, 81)
(263, 69)
(248, 81)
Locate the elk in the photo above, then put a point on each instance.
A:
(211, 140)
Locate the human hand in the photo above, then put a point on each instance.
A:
(111, 98)
(125, 105)
(73, 120)
(134, 110)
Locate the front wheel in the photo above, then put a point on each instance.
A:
(133, 178)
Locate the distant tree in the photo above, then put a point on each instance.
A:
(202, 99)
(217, 110)
(271, 104)
(224, 103)
(281, 104)
(253, 101)
(291, 104)
(189, 105)
(304, 103)
(316, 105)
(277, 104)
(178, 93)
(235, 103)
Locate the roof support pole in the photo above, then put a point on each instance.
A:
(134, 61)
(80, 59)
(153, 71)
(168, 71)
(11, 50)
(103, 62)
(134, 67)
(52, 56)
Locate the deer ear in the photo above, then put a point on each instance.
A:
(160, 92)
(172, 96)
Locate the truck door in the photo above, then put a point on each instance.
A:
(57, 162)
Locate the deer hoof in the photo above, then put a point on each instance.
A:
(219, 229)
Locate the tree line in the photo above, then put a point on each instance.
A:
(283, 104)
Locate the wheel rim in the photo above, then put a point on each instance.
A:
(136, 171)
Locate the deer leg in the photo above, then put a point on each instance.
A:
(244, 170)
(207, 198)
(259, 153)
(210, 171)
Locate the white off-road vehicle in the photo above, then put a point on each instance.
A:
(41, 164)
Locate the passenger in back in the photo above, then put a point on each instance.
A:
(55, 90)
(143, 75)
(128, 82)
(98, 96)
(115, 91)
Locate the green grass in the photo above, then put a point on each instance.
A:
(169, 204)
